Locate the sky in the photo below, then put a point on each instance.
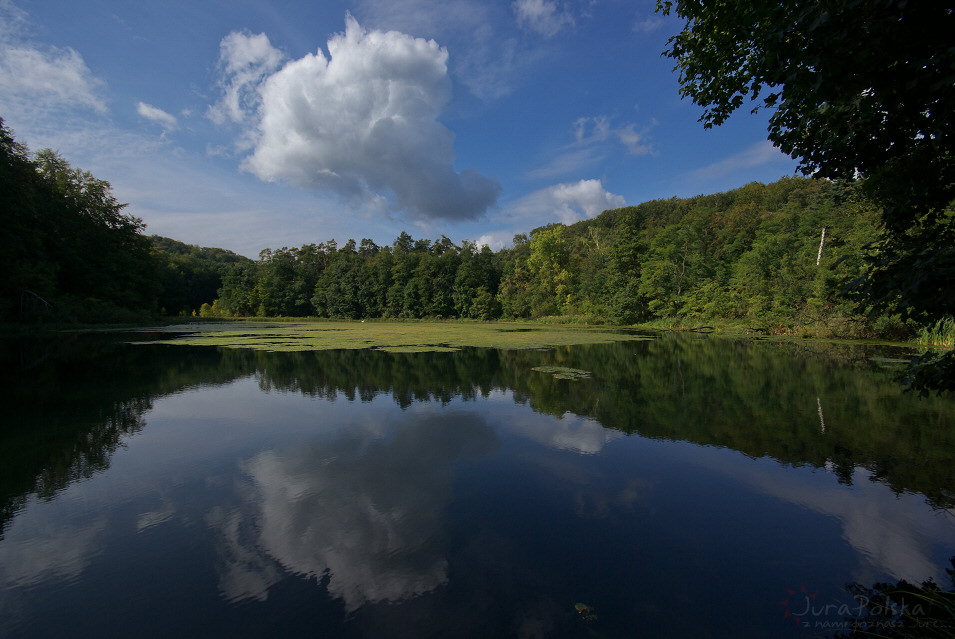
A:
(253, 124)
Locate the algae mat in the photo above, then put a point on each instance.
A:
(395, 337)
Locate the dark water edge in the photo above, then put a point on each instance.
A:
(682, 490)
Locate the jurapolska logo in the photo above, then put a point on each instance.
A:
(807, 611)
(798, 603)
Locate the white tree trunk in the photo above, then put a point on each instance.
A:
(821, 242)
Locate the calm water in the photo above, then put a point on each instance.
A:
(690, 488)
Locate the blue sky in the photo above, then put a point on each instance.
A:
(246, 124)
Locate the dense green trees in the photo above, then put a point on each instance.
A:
(859, 90)
(68, 249)
(752, 254)
(773, 257)
(190, 276)
(70, 252)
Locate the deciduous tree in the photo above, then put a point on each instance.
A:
(858, 89)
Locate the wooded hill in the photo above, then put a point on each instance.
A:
(70, 253)
(755, 254)
(774, 257)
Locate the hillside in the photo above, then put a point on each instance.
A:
(774, 256)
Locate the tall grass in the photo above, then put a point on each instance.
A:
(941, 334)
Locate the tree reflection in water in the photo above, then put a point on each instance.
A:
(465, 485)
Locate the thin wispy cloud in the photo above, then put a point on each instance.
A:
(648, 25)
(594, 138)
(570, 161)
(157, 115)
(42, 77)
(760, 154)
(48, 94)
(600, 128)
(544, 17)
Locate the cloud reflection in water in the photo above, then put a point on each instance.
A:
(364, 512)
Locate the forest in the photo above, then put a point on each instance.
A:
(71, 253)
(774, 257)
(770, 257)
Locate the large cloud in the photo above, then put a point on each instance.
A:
(363, 123)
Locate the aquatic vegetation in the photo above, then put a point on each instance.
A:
(396, 337)
(941, 334)
(562, 372)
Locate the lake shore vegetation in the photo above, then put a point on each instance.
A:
(763, 259)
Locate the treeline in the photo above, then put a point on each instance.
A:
(776, 255)
(409, 279)
(69, 251)
(188, 275)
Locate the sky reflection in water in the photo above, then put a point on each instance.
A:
(245, 506)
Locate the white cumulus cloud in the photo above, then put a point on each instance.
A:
(244, 61)
(157, 115)
(568, 203)
(362, 123)
(542, 16)
(363, 512)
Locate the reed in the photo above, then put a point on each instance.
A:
(942, 333)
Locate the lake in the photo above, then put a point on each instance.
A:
(683, 486)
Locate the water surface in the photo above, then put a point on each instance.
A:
(689, 487)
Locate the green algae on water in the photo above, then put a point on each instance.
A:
(395, 337)
(562, 372)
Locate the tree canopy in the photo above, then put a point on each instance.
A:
(859, 90)
(857, 87)
(71, 249)
(71, 252)
(751, 254)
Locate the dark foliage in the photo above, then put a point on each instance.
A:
(189, 275)
(68, 249)
(859, 90)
